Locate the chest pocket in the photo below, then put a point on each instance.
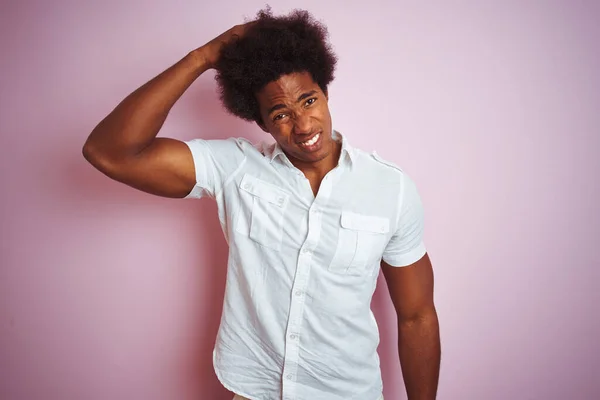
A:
(262, 212)
(361, 241)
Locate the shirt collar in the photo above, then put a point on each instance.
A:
(347, 150)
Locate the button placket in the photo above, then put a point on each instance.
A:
(290, 364)
(292, 349)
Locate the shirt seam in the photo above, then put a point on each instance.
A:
(231, 177)
(400, 200)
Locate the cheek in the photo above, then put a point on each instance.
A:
(279, 134)
(323, 112)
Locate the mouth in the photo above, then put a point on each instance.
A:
(312, 143)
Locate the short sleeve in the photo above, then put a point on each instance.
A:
(406, 245)
(214, 162)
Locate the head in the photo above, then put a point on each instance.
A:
(277, 75)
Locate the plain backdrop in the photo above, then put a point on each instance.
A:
(492, 107)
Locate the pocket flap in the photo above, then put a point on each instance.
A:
(359, 222)
(264, 190)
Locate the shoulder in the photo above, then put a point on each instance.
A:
(407, 183)
(386, 163)
(376, 163)
(385, 173)
(228, 145)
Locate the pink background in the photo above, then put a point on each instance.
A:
(492, 107)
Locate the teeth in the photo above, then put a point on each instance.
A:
(311, 141)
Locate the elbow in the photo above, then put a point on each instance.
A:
(424, 315)
(91, 154)
(88, 151)
(97, 158)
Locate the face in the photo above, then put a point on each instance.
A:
(295, 112)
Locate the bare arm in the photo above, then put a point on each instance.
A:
(411, 290)
(124, 146)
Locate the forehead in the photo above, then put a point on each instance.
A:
(287, 87)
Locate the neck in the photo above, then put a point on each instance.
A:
(320, 168)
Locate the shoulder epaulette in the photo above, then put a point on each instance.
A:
(385, 162)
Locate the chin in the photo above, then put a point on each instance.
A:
(315, 157)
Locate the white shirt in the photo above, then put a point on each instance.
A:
(302, 269)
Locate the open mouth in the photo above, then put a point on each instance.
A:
(311, 143)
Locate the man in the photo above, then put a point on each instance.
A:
(309, 219)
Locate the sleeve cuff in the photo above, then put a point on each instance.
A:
(200, 153)
(406, 259)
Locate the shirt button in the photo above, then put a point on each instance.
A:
(305, 250)
(298, 292)
(247, 186)
(280, 200)
(289, 376)
(292, 337)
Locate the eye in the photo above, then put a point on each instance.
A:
(279, 117)
(310, 101)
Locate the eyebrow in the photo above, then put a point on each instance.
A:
(300, 98)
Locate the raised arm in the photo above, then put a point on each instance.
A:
(124, 145)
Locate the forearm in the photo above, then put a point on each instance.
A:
(419, 349)
(136, 121)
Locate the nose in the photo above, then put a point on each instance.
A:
(302, 124)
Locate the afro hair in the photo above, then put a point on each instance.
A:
(270, 48)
